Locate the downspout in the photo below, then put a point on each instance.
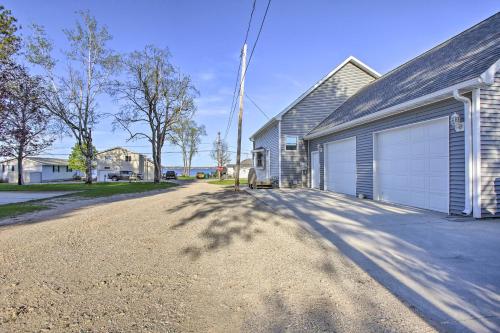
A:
(476, 151)
(279, 153)
(468, 151)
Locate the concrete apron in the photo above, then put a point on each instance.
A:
(447, 271)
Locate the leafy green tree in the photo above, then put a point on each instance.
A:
(9, 41)
(77, 160)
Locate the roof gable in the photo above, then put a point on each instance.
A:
(350, 60)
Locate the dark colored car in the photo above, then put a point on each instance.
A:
(123, 175)
(170, 175)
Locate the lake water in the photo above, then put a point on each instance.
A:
(178, 171)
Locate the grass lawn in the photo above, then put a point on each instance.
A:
(87, 191)
(14, 209)
(186, 177)
(243, 181)
(90, 191)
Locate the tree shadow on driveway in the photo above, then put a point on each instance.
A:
(225, 224)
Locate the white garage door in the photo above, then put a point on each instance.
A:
(35, 177)
(340, 166)
(412, 165)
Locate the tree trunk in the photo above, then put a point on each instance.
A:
(20, 178)
(157, 164)
(88, 170)
(88, 163)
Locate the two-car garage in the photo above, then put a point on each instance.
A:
(410, 165)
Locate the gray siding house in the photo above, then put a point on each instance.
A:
(426, 134)
(37, 170)
(279, 150)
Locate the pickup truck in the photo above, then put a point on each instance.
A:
(124, 175)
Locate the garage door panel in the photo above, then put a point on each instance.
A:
(341, 166)
(417, 182)
(438, 165)
(412, 165)
(417, 149)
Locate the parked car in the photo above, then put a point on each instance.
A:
(200, 175)
(170, 175)
(123, 175)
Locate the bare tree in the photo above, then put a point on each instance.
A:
(187, 136)
(220, 153)
(72, 97)
(156, 96)
(25, 129)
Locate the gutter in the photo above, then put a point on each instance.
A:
(396, 109)
(468, 153)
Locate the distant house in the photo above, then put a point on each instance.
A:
(37, 170)
(245, 166)
(120, 159)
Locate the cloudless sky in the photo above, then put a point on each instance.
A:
(302, 40)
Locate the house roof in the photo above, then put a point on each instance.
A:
(43, 160)
(127, 150)
(469, 55)
(246, 163)
(350, 59)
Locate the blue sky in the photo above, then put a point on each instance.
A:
(300, 43)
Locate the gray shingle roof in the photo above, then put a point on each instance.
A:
(48, 160)
(459, 59)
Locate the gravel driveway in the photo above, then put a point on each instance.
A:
(197, 258)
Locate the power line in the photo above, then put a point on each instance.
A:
(247, 66)
(149, 153)
(258, 107)
(233, 102)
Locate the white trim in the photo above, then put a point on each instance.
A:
(263, 128)
(421, 122)
(279, 153)
(375, 189)
(374, 174)
(309, 165)
(467, 150)
(325, 159)
(476, 153)
(351, 59)
(488, 76)
(296, 142)
(399, 108)
(316, 152)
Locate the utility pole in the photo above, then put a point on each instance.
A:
(219, 162)
(240, 117)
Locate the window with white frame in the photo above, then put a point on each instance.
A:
(128, 158)
(291, 142)
(259, 159)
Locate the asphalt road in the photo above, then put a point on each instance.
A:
(195, 258)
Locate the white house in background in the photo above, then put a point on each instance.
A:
(120, 159)
(245, 166)
(37, 170)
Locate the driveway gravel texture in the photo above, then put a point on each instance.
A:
(197, 258)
